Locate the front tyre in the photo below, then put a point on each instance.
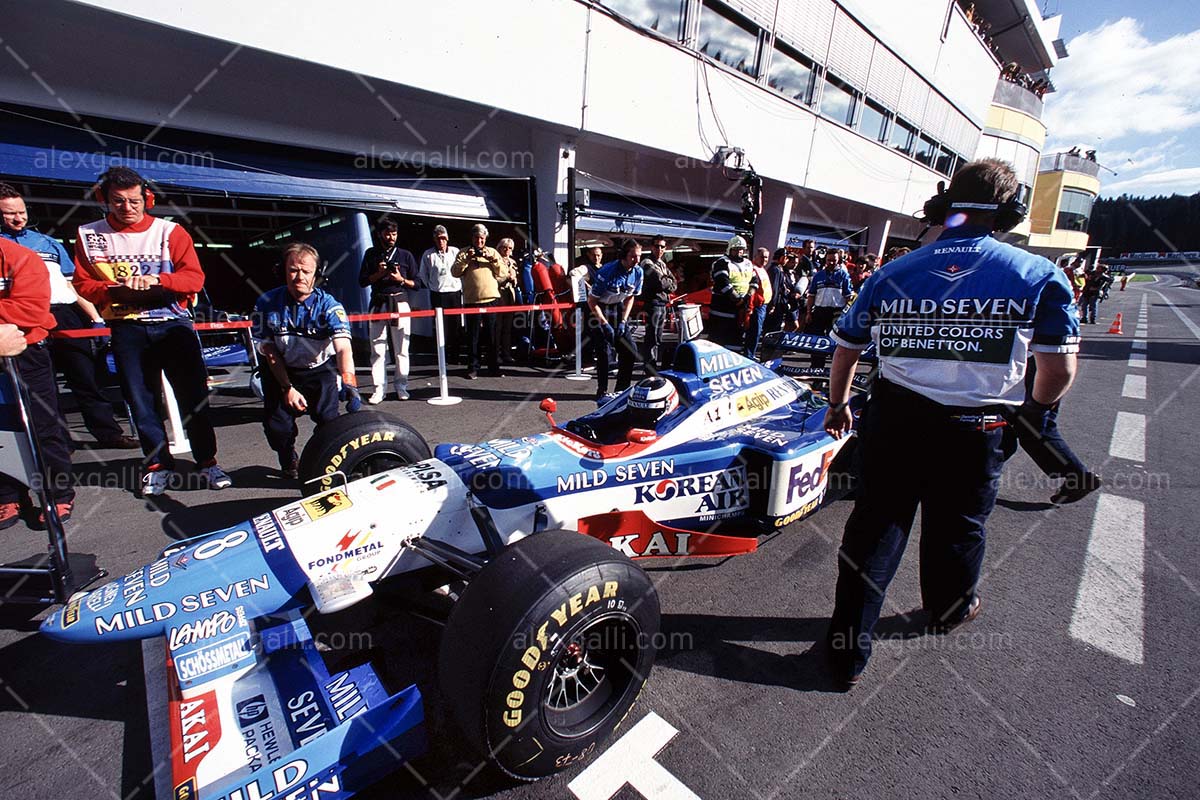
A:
(547, 650)
(360, 444)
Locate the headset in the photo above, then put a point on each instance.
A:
(98, 194)
(1009, 214)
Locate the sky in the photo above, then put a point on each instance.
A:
(1130, 89)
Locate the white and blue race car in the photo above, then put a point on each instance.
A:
(548, 644)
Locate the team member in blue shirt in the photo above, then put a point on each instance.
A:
(954, 323)
(828, 293)
(610, 302)
(301, 330)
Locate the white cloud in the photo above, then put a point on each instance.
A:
(1118, 83)
(1185, 180)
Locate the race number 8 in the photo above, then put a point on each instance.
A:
(212, 548)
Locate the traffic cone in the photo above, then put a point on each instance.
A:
(1116, 326)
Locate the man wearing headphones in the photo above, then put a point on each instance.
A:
(954, 324)
(143, 274)
(300, 331)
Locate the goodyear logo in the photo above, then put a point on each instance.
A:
(71, 612)
(186, 790)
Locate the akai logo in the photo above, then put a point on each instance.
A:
(802, 481)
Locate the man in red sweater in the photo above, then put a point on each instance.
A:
(142, 273)
(25, 302)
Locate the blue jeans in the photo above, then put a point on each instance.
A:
(955, 484)
(144, 352)
(754, 330)
(1090, 302)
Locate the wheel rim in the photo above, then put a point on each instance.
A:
(377, 462)
(591, 676)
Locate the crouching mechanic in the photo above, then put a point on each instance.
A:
(954, 324)
(300, 330)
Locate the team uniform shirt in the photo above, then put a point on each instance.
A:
(106, 254)
(24, 292)
(830, 288)
(956, 321)
(303, 333)
(613, 285)
(56, 258)
(434, 270)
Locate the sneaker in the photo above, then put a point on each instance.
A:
(1074, 489)
(10, 514)
(402, 394)
(376, 397)
(216, 477)
(64, 513)
(155, 482)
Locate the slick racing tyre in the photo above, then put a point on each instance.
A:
(547, 650)
(359, 444)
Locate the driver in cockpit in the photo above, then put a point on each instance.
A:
(648, 402)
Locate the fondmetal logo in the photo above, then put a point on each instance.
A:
(709, 483)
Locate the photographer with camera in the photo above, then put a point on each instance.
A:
(480, 268)
(391, 272)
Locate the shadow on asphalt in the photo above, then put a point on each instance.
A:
(183, 522)
(1024, 505)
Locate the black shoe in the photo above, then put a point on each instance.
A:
(1076, 488)
(973, 609)
(121, 442)
(290, 470)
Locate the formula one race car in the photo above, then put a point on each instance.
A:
(548, 644)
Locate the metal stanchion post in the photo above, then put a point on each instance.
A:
(439, 333)
(578, 375)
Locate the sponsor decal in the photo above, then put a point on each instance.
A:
(720, 410)
(760, 434)
(476, 456)
(354, 444)
(199, 729)
(803, 481)
(953, 273)
(187, 790)
(661, 543)
(574, 445)
(182, 561)
(325, 504)
(381, 482)
(346, 553)
(429, 474)
(718, 362)
(291, 781)
(709, 482)
(345, 697)
(732, 381)
(956, 307)
(210, 627)
(803, 511)
(270, 538)
(957, 249)
(751, 404)
(213, 657)
(70, 614)
(305, 719)
(158, 612)
(624, 473)
(103, 597)
(252, 711)
(258, 732)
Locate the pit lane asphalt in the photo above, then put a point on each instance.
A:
(1010, 706)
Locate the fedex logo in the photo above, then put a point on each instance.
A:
(802, 481)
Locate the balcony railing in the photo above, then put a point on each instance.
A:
(1065, 162)
(1016, 96)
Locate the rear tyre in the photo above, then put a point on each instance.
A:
(360, 444)
(547, 650)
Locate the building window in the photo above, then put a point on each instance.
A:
(902, 137)
(663, 16)
(726, 40)
(1074, 210)
(837, 101)
(945, 161)
(792, 75)
(926, 150)
(874, 122)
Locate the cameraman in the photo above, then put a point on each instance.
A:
(481, 268)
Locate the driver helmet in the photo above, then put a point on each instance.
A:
(651, 399)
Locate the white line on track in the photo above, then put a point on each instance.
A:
(630, 760)
(1135, 387)
(1129, 437)
(1137, 360)
(1109, 606)
(1139, 344)
(1191, 326)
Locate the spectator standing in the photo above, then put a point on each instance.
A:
(78, 359)
(933, 389)
(509, 296)
(1095, 285)
(860, 271)
(828, 293)
(445, 290)
(759, 296)
(808, 262)
(391, 272)
(25, 303)
(658, 284)
(610, 303)
(301, 331)
(581, 278)
(731, 274)
(782, 286)
(480, 269)
(143, 274)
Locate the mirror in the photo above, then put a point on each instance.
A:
(549, 406)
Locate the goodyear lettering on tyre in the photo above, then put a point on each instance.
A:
(355, 444)
(545, 636)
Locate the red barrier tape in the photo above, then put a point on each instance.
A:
(87, 333)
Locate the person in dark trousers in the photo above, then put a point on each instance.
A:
(828, 292)
(78, 359)
(1037, 431)
(25, 303)
(1095, 287)
(480, 269)
(658, 283)
(302, 332)
(143, 273)
(955, 323)
(610, 303)
(782, 287)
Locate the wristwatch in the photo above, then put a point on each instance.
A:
(836, 407)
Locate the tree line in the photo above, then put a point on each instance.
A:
(1142, 224)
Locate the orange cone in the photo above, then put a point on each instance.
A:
(1116, 326)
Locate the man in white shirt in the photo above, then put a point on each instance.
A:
(445, 290)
